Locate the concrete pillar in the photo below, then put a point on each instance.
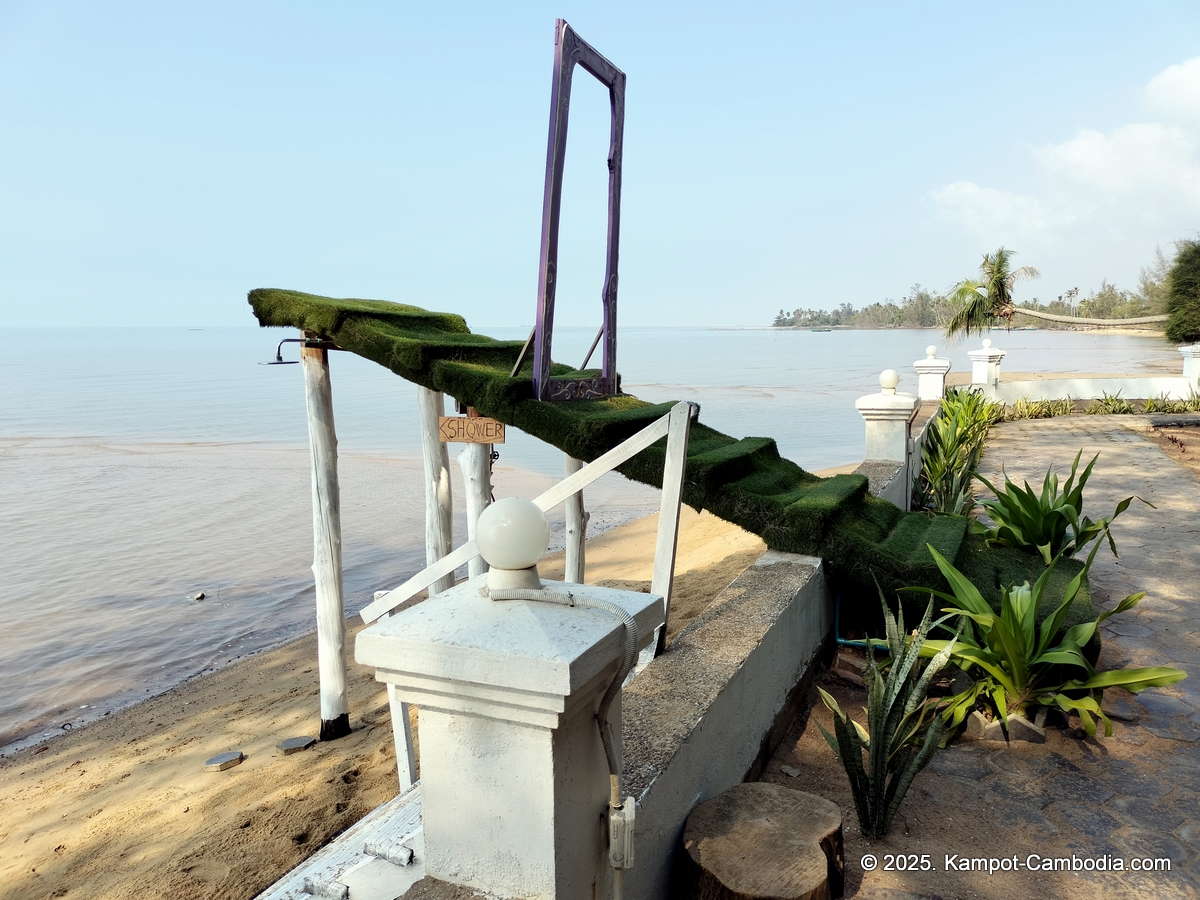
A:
(888, 416)
(931, 375)
(514, 780)
(985, 366)
(1191, 365)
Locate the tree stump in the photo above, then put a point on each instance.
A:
(758, 841)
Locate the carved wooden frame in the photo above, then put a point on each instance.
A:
(570, 49)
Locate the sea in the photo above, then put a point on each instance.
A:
(142, 467)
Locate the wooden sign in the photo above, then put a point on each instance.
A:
(470, 430)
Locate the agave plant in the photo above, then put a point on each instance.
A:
(903, 727)
(953, 444)
(1020, 669)
(1050, 522)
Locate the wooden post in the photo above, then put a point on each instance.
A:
(577, 519)
(439, 508)
(327, 545)
(475, 462)
(663, 577)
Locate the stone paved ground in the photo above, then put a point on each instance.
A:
(1136, 793)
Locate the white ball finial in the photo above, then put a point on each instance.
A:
(987, 342)
(888, 379)
(512, 533)
(931, 351)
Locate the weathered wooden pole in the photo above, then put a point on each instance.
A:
(439, 509)
(475, 462)
(577, 520)
(327, 545)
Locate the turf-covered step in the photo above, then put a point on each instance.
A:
(862, 538)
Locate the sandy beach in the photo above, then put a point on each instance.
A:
(123, 807)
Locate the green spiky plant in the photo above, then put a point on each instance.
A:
(903, 727)
(953, 445)
(1051, 523)
(1020, 669)
(1111, 405)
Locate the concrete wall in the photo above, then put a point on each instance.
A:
(703, 716)
(1132, 388)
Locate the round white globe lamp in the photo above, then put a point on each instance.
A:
(512, 535)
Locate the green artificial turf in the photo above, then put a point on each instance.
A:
(863, 539)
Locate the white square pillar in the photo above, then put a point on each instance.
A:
(985, 365)
(931, 375)
(887, 416)
(514, 780)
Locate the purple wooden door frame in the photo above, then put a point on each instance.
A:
(570, 49)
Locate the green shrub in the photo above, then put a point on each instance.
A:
(1051, 523)
(1010, 653)
(953, 445)
(903, 727)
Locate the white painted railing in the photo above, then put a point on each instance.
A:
(674, 426)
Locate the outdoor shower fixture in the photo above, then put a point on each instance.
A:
(569, 49)
(307, 342)
(279, 360)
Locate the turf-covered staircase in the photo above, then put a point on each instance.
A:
(742, 481)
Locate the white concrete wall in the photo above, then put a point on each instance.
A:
(697, 717)
(1133, 388)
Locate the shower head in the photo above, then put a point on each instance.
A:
(279, 360)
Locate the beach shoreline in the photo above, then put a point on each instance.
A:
(122, 806)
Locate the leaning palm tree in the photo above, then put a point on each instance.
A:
(981, 302)
(987, 301)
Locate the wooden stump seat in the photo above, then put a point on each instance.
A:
(759, 841)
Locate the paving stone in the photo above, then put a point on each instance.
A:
(1089, 820)
(1174, 729)
(1189, 832)
(954, 791)
(1124, 709)
(1165, 704)
(295, 744)
(1129, 779)
(1128, 626)
(1175, 641)
(223, 761)
(1142, 842)
(1141, 812)
(961, 762)
(1145, 643)
(1126, 734)
(1016, 761)
(1025, 817)
(1074, 789)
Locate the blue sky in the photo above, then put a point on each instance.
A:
(158, 161)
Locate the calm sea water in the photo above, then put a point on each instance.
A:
(140, 467)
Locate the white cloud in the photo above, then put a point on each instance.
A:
(985, 210)
(1119, 192)
(1174, 93)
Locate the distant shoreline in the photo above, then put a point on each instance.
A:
(1081, 329)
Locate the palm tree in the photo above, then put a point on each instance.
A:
(984, 301)
(980, 302)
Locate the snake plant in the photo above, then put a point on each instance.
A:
(903, 727)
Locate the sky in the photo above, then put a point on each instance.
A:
(158, 161)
